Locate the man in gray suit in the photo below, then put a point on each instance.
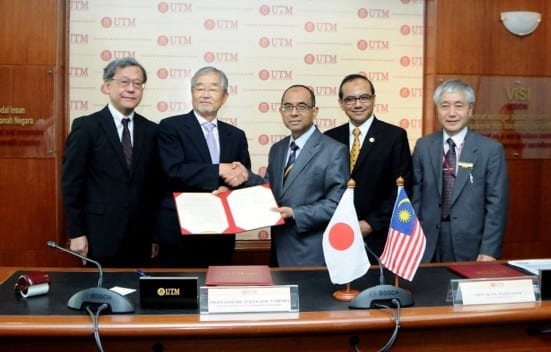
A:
(307, 182)
(468, 222)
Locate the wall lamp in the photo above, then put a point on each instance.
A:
(521, 23)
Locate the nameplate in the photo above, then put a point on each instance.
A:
(498, 291)
(545, 283)
(171, 292)
(249, 299)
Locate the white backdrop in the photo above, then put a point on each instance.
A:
(263, 47)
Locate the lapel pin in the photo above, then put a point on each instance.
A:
(371, 140)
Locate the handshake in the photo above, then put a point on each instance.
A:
(233, 174)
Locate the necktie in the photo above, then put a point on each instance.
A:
(355, 151)
(291, 159)
(126, 141)
(448, 178)
(211, 142)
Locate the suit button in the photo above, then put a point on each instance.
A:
(438, 226)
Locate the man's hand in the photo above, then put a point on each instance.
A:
(220, 190)
(286, 212)
(233, 174)
(365, 228)
(484, 258)
(79, 245)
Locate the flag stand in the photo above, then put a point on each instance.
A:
(346, 295)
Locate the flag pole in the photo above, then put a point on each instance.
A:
(348, 294)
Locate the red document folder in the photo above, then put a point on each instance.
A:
(239, 275)
(482, 270)
(228, 212)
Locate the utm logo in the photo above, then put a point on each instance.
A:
(118, 22)
(378, 76)
(221, 56)
(275, 75)
(375, 45)
(78, 5)
(265, 139)
(413, 30)
(78, 71)
(221, 25)
(320, 27)
(276, 10)
(320, 59)
(107, 55)
(373, 13)
(174, 40)
(174, 73)
(411, 92)
(413, 61)
(174, 7)
(265, 106)
(275, 42)
(406, 123)
(172, 106)
(328, 91)
(78, 105)
(325, 123)
(77, 38)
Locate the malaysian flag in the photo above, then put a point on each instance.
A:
(406, 241)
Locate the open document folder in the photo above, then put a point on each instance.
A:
(228, 212)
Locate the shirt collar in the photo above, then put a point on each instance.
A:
(458, 138)
(117, 115)
(301, 141)
(364, 127)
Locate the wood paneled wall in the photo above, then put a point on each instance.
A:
(463, 38)
(466, 38)
(32, 72)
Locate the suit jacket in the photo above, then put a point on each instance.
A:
(313, 188)
(384, 156)
(186, 162)
(478, 210)
(104, 199)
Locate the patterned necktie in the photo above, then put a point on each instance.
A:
(211, 142)
(291, 159)
(448, 178)
(126, 141)
(355, 151)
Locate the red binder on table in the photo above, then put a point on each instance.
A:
(239, 275)
(484, 270)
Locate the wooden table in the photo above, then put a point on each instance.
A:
(441, 328)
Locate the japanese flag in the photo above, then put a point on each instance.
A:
(343, 245)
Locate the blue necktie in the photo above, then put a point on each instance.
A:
(211, 142)
(291, 159)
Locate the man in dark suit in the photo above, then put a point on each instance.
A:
(468, 222)
(191, 165)
(110, 174)
(384, 155)
(308, 188)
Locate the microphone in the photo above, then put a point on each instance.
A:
(95, 296)
(381, 293)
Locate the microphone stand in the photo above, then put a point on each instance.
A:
(95, 296)
(371, 297)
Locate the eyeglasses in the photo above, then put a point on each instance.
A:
(364, 98)
(301, 107)
(125, 82)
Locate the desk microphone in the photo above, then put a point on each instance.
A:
(95, 296)
(381, 293)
